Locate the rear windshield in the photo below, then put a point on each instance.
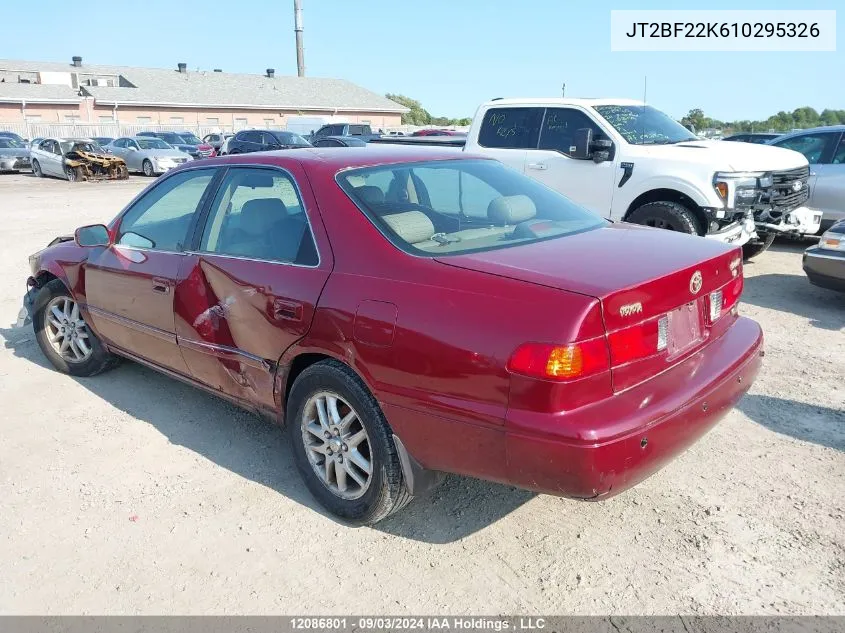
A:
(459, 206)
(190, 139)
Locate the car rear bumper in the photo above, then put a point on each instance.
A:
(604, 448)
(825, 267)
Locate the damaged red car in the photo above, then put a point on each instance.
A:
(408, 312)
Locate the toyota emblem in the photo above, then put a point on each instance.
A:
(695, 282)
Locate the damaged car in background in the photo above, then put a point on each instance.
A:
(76, 160)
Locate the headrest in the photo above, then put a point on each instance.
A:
(258, 214)
(511, 209)
(370, 194)
(411, 226)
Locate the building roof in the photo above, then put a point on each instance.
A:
(169, 87)
(37, 93)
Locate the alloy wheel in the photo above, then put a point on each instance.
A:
(66, 330)
(337, 445)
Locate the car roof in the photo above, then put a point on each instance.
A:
(809, 130)
(544, 101)
(346, 157)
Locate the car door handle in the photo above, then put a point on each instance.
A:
(540, 166)
(285, 309)
(161, 285)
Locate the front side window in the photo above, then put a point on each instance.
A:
(458, 206)
(511, 128)
(644, 125)
(559, 127)
(815, 147)
(160, 219)
(257, 214)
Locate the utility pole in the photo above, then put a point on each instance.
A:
(563, 90)
(297, 27)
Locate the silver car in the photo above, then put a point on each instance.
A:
(147, 154)
(824, 148)
(14, 155)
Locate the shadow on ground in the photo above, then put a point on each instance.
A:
(824, 309)
(258, 450)
(806, 422)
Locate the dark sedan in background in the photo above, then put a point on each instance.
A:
(340, 141)
(759, 138)
(247, 141)
(824, 263)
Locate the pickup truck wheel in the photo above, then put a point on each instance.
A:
(64, 336)
(667, 215)
(754, 247)
(343, 446)
(36, 169)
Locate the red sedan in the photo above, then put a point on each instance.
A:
(409, 312)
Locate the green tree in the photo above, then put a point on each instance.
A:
(420, 116)
(417, 115)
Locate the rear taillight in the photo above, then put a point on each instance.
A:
(724, 299)
(639, 341)
(560, 362)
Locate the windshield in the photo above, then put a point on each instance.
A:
(460, 206)
(152, 143)
(644, 125)
(9, 143)
(81, 146)
(190, 139)
(289, 138)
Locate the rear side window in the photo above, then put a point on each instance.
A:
(511, 128)
(257, 214)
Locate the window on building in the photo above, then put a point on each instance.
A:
(106, 119)
(33, 118)
(143, 119)
(177, 120)
(240, 124)
(269, 122)
(212, 120)
(71, 118)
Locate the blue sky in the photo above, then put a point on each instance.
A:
(449, 54)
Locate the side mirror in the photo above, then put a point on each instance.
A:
(92, 235)
(602, 149)
(582, 141)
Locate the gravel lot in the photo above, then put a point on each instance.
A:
(132, 493)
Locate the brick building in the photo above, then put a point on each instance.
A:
(36, 94)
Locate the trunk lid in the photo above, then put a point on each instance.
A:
(638, 274)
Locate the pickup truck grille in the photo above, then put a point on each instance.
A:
(789, 189)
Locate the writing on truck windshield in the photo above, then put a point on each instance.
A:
(644, 125)
(452, 207)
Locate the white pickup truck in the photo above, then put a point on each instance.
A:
(631, 162)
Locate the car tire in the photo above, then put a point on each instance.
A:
(356, 415)
(755, 247)
(667, 215)
(36, 169)
(72, 174)
(147, 168)
(85, 354)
